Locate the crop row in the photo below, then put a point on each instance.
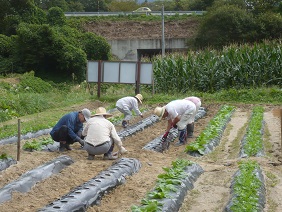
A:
(173, 185)
(211, 70)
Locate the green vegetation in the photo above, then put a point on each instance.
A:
(4, 156)
(43, 42)
(39, 103)
(36, 36)
(36, 145)
(165, 184)
(246, 188)
(234, 67)
(212, 131)
(254, 144)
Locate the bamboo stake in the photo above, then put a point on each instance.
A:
(19, 140)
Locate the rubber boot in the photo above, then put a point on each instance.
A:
(62, 147)
(68, 147)
(109, 155)
(182, 137)
(190, 130)
(124, 124)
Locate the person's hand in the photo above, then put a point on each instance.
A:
(81, 141)
(164, 136)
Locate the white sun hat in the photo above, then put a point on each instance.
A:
(159, 111)
(102, 111)
(139, 97)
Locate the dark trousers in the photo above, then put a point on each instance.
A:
(62, 135)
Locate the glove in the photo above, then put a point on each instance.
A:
(81, 141)
(164, 136)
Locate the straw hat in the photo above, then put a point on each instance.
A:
(159, 111)
(139, 97)
(102, 112)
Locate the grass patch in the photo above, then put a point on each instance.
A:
(236, 144)
(272, 180)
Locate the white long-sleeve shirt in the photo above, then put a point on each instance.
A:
(178, 107)
(98, 130)
(130, 103)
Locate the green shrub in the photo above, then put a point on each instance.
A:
(30, 83)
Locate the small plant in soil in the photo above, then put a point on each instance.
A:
(254, 142)
(212, 131)
(4, 156)
(166, 183)
(36, 145)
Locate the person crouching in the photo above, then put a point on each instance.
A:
(101, 136)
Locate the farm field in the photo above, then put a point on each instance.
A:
(211, 190)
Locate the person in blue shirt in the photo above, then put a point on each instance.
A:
(69, 128)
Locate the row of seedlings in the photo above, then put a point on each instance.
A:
(252, 143)
(157, 144)
(247, 187)
(171, 187)
(210, 137)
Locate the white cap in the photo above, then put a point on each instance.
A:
(86, 113)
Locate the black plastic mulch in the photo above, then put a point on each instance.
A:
(260, 152)
(5, 163)
(91, 192)
(259, 207)
(209, 147)
(30, 178)
(175, 199)
(156, 144)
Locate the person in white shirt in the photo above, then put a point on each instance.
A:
(190, 126)
(126, 104)
(101, 136)
(178, 113)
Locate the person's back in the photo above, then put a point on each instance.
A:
(178, 107)
(101, 136)
(99, 130)
(126, 104)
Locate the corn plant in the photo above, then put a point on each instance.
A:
(243, 66)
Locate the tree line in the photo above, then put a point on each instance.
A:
(36, 36)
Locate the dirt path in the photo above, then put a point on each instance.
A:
(211, 190)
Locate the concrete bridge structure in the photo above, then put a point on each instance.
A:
(135, 49)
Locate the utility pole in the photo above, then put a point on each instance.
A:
(163, 37)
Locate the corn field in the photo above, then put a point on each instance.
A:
(244, 66)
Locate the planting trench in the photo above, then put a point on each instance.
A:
(210, 191)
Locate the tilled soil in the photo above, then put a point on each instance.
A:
(211, 190)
